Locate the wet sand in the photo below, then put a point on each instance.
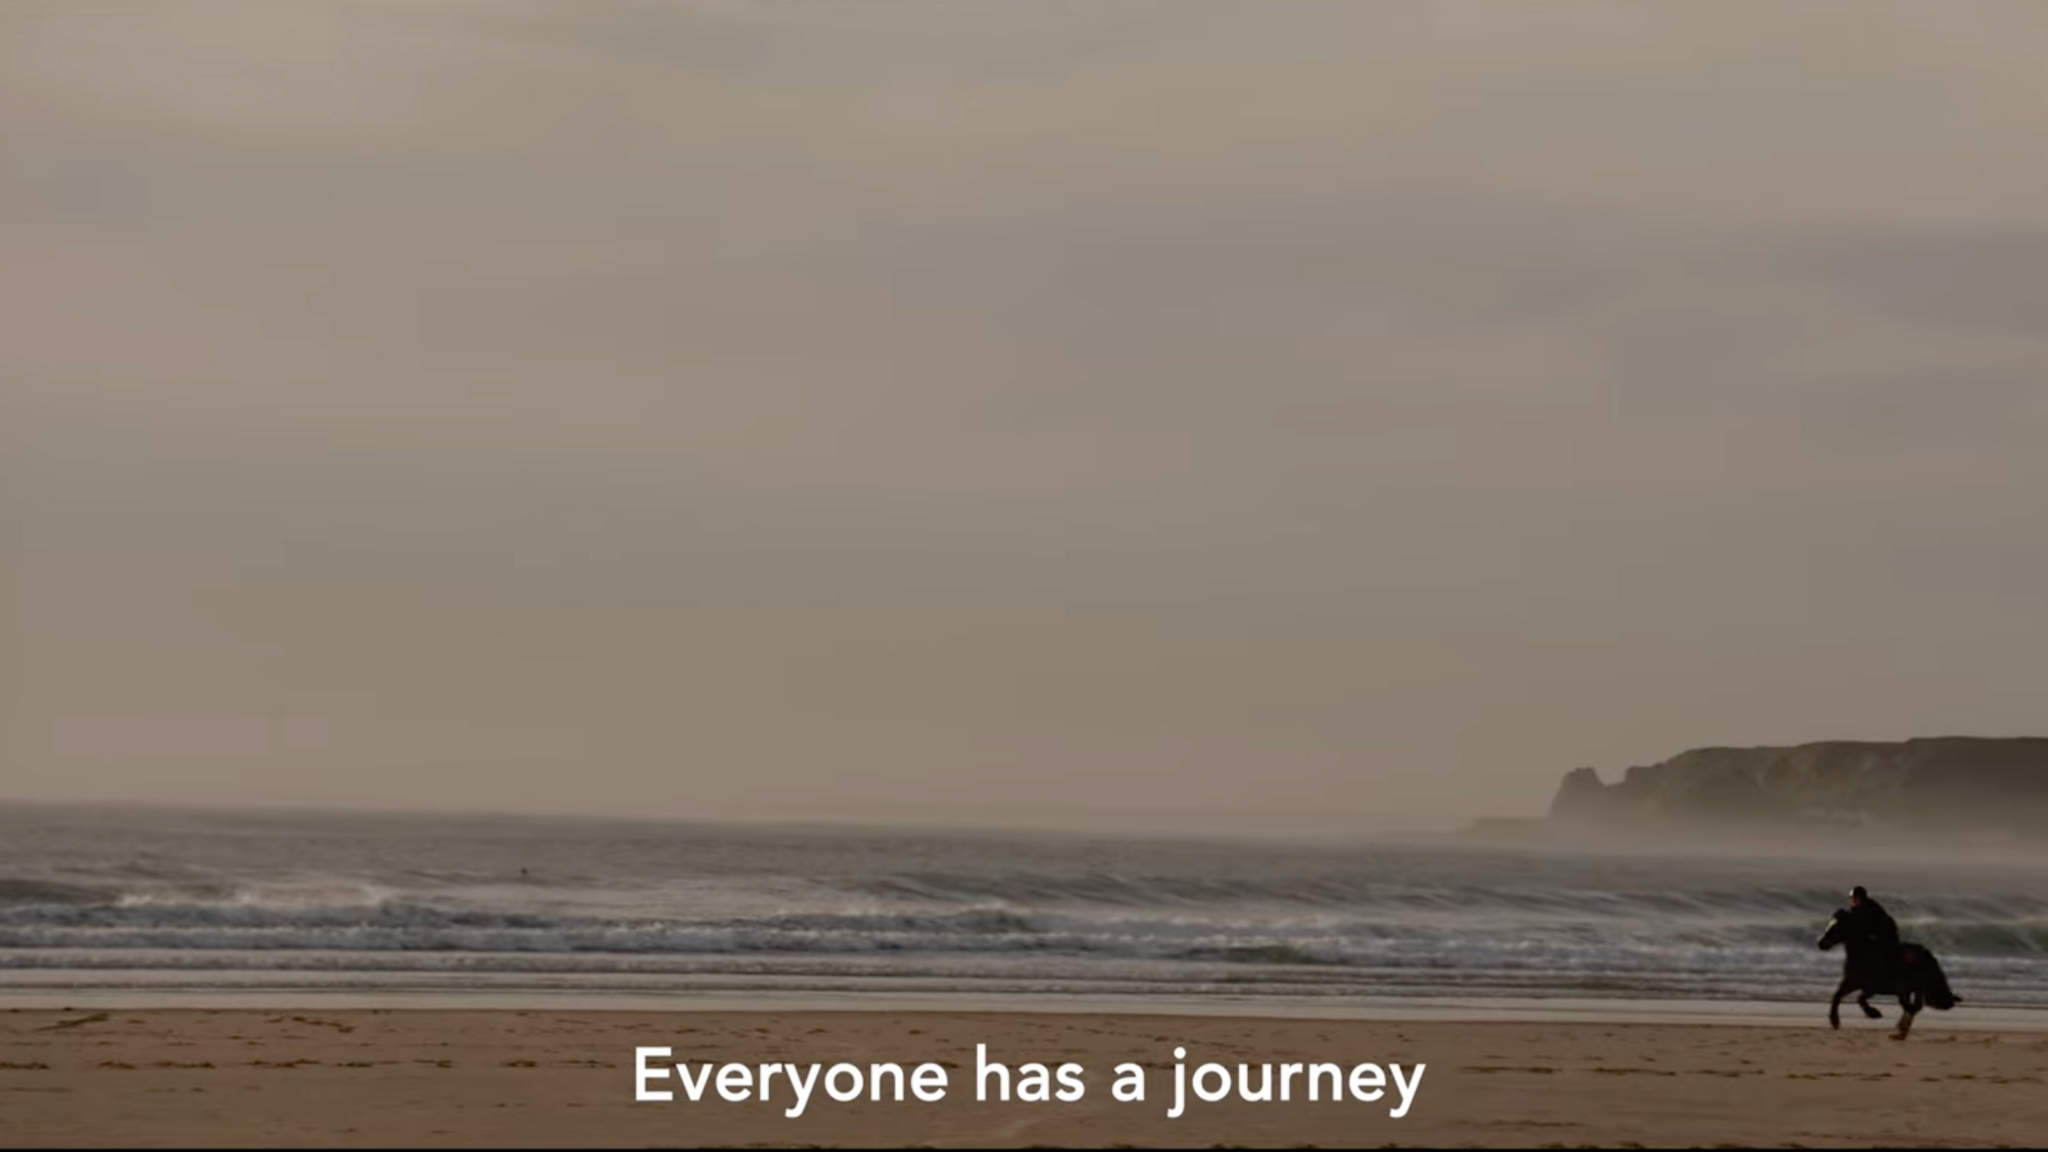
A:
(503, 1077)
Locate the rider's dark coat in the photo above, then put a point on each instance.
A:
(1871, 925)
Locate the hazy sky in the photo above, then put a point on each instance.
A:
(701, 409)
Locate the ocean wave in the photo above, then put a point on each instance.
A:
(48, 893)
(1115, 890)
(399, 925)
(588, 905)
(137, 882)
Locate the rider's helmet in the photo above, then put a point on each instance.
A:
(1857, 895)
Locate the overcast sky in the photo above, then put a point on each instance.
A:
(1364, 411)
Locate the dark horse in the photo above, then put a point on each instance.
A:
(1914, 978)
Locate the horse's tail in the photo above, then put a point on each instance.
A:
(1933, 982)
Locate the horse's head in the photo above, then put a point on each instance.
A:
(1833, 935)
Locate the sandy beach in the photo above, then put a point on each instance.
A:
(456, 1078)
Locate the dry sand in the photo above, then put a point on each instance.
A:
(566, 1078)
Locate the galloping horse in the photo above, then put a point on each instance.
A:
(1913, 976)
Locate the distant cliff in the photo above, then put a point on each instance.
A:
(1942, 785)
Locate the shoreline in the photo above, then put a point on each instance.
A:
(1446, 1009)
(248, 1076)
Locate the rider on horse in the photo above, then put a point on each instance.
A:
(1870, 924)
(1869, 921)
(1878, 963)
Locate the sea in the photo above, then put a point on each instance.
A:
(222, 906)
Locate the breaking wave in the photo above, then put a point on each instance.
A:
(840, 909)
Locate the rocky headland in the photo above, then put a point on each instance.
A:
(1945, 787)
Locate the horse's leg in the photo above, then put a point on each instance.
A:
(1869, 1010)
(1835, 1007)
(1909, 1005)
